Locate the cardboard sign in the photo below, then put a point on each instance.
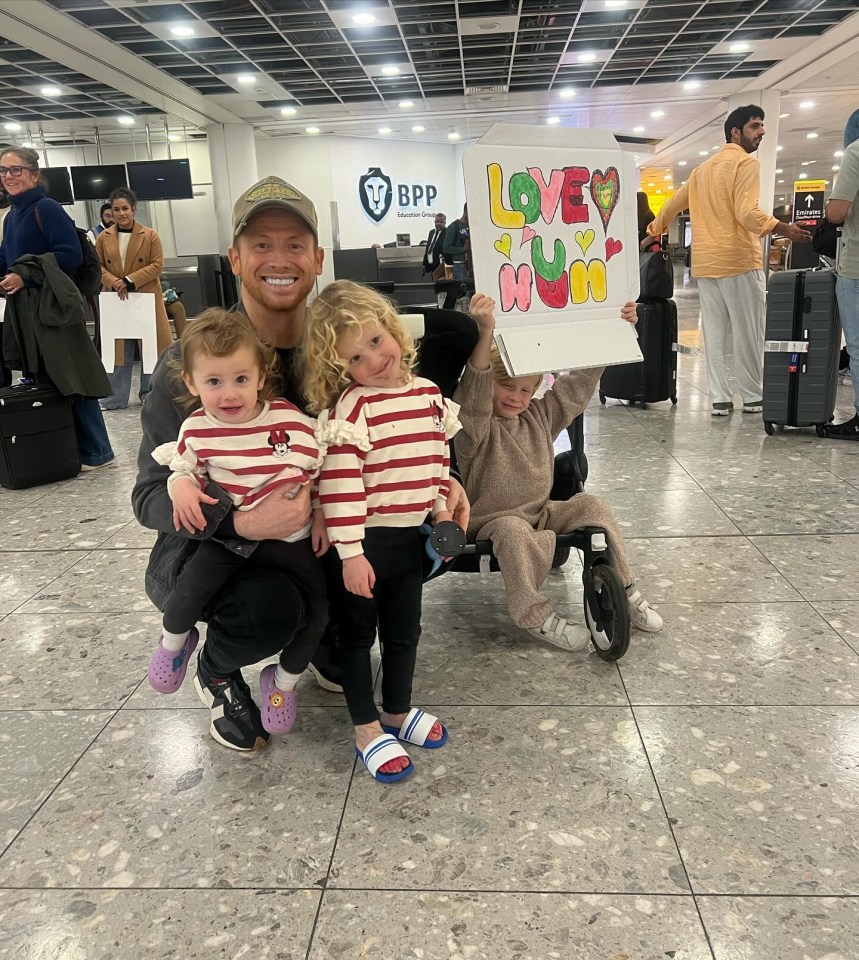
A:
(131, 319)
(553, 229)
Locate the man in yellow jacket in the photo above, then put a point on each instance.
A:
(723, 196)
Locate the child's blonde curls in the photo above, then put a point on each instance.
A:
(343, 306)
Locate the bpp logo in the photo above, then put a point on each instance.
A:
(375, 193)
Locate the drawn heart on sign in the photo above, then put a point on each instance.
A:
(605, 190)
(527, 235)
(612, 247)
(584, 240)
(504, 244)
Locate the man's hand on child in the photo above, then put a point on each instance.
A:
(319, 534)
(482, 308)
(358, 576)
(629, 313)
(187, 497)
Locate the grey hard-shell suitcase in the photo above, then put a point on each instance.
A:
(803, 340)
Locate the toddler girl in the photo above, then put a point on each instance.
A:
(505, 453)
(387, 465)
(252, 445)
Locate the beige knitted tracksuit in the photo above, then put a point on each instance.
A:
(507, 469)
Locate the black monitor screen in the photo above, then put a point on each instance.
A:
(160, 179)
(59, 184)
(96, 183)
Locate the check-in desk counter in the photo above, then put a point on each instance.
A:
(400, 266)
(204, 281)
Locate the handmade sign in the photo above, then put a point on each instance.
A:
(131, 319)
(552, 215)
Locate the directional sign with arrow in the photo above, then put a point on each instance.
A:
(808, 200)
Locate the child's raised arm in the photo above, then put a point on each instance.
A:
(482, 308)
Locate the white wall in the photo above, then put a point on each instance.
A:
(326, 168)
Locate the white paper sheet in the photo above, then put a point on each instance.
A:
(554, 240)
(131, 319)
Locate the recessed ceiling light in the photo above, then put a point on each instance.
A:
(779, 148)
(125, 120)
(703, 153)
(651, 184)
(681, 163)
(691, 84)
(12, 126)
(417, 128)
(779, 170)
(384, 130)
(811, 136)
(836, 166)
(838, 153)
(311, 129)
(553, 120)
(182, 31)
(488, 25)
(245, 78)
(614, 4)
(390, 70)
(638, 129)
(682, 183)
(587, 57)
(363, 19)
(405, 104)
(806, 105)
(667, 176)
(812, 161)
(50, 91)
(287, 111)
(567, 92)
(173, 137)
(453, 135)
(781, 181)
(738, 47)
(804, 163)
(27, 143)
(659, 191)
(803, 176)
(656, 114)
(781, 116)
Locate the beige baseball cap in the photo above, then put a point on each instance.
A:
(273, 192)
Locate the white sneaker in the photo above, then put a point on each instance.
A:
(562, 633)
(641, 615)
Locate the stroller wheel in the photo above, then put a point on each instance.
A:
(609, 622)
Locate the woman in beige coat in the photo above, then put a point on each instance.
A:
(132, 259)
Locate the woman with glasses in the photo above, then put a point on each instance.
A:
(37, 225)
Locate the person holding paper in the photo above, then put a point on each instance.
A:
(506, 456)
(723, 197)
(132, 259)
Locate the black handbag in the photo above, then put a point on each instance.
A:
(824, 240)
(657, 276)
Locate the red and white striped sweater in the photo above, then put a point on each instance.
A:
(388, 460)
(249, 460)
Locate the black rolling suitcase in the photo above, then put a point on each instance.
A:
(655, 378)
(801, 352)
(38, 443)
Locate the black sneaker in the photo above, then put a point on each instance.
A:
(236, 721)
(849, 430)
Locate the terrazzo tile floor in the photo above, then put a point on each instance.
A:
(698, 800)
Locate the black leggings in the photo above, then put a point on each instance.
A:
(395, 556)
(198, 590)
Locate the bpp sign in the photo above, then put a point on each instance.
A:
(376, 193)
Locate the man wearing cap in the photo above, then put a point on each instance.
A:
(276, 255)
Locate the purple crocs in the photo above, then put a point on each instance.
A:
(278, 706)
(167, 668)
